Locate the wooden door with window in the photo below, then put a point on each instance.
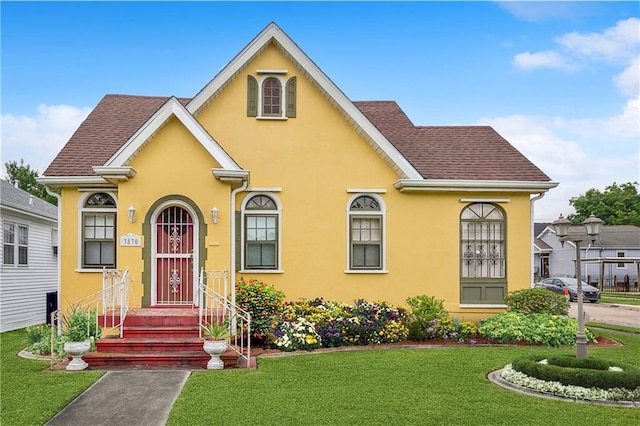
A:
(174, 252)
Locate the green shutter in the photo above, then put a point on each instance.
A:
(291, 97)
(252, 96)
(238, 247)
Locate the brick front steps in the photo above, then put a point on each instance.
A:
(157, 337)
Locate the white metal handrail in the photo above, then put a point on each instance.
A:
(109, 306)
(214, 305)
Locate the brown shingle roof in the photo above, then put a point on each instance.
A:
(451, 152)
(438, 152)
(113, 121)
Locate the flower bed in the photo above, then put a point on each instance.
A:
(588, 373)
(568, 391)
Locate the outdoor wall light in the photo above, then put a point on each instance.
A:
(132, 214)
(214, 214)
(561, 228)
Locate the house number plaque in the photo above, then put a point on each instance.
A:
(130, 240)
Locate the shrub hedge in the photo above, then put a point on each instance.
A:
(588, 373)
(550, 330)
(537, 301)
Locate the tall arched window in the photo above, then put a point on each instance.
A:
(271, 97)
(482, 253)
(99, 231)
(261, 233)
(366, 234)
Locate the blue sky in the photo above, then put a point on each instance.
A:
(560, 81)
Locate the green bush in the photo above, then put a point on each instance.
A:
(537, 301)
(588, 373)
(425, 313)
(79, 324)
(550, 330)
(466, 329)
(264, 303)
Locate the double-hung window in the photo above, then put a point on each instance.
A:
(15, 239)
(366, 236)
(261, 233)
(99, 231)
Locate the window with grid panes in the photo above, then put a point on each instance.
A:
(261, 233)
(365, 234)
(99, 231)
(271, 97)
(482, 254)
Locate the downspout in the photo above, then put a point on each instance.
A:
(533, 237)
(232, 267)
(58, 238)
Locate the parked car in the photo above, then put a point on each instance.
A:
(558, 285)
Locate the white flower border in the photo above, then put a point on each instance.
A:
(568, 391)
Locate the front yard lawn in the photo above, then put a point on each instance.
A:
(29, 393)
(403, 386)
(445, 386)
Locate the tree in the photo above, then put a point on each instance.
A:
(27, 180)
(617, 205)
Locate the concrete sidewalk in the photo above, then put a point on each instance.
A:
(123, 398)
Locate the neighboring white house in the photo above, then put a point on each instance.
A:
(614, 258)
(29, 258)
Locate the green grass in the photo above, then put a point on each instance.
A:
(613, 327)
(399, 386)
(621, 298)
(443, 386)
(30, 394)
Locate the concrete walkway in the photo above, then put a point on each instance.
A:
(125, 398)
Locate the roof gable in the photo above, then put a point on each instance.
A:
(171, 108)
(273, 34)
(111, 123)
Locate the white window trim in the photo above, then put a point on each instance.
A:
(283, 98)
(269, 71)
(624, 265)
(383, 224)
(278, 212)
(478, 306)
(81, 209)
(16, 245)
(366, 191)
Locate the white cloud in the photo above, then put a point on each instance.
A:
(616, 130)
(37, 139)
(616, 44)
(548, 59)
(564, 157)
(543, 11)
(628, 81)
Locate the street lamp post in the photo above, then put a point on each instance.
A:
(561, 227)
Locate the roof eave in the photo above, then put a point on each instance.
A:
(53, 218)
(60, 181)
(115, 173)
(442, 185)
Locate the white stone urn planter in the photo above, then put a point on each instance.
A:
(215, 348)
(76, 350)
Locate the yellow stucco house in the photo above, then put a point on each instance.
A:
(272, 172)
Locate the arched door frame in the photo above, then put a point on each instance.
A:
(149, 231)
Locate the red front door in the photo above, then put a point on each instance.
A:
(174, 257)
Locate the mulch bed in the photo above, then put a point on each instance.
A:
(408, 344)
